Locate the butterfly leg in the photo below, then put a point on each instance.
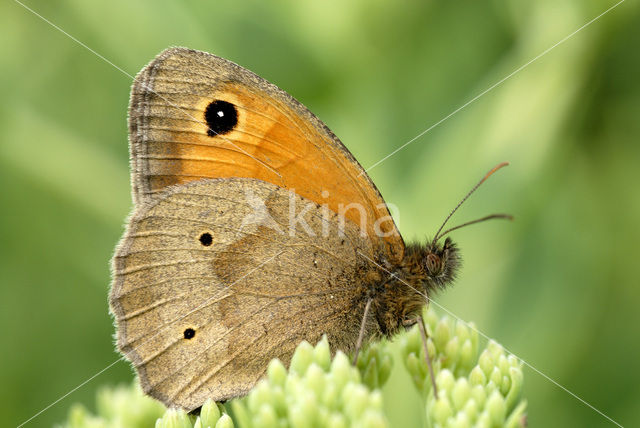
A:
(423, 333)
(363, 325)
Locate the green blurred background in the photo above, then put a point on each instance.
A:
(559, 286)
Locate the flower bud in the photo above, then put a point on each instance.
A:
(302, 358)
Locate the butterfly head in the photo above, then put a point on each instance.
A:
(432, 266)
(440, 264)
(425, 269)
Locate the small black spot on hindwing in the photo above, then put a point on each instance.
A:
(206, 239)
(221, 117)
(189, 333)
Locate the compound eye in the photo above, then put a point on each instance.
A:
(433, 263)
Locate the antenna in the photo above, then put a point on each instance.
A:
(469, 223)
(487, 175)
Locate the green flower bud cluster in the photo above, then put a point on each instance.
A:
(318, 391)
(212, 415)
(117, 407)
(480, 389)
(474, 391)
(375, 363)
(128, 407)
(451, 345)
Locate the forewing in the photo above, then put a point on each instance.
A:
(276, 139)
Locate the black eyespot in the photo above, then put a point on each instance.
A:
(206, 239)
(221, 117)
(189, 333)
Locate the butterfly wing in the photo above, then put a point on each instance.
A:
(211, 282)
(194, 115)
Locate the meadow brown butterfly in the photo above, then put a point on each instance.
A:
(253, 229)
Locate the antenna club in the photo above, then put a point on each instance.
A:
(494, 169)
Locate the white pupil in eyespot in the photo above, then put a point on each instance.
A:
(220, 113)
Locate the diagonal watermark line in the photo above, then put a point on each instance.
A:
(73, 38)
(371, 167)
(70, 392)
(586, 403)
(146, 87)
(498, 83)
(122, 359)
(488, 338)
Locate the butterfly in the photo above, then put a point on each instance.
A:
(254, 228)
